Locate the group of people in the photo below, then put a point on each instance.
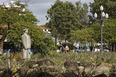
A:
(62, 49)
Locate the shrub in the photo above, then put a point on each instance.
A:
(53, 47)
(98, 61)
(53, 54)
(46, 44)
(113, 69)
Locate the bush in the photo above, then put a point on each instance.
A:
(113, 69)
(46, 44)
(53, 47)
(53, 54)
(98, 61)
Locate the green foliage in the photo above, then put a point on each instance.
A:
(97, 31)
(63, 19)
(29, 64)
(16, 32)
(109, 31)
(53, 47)
(113, 69)
(109, 7)
(53, 53)
(84, 35)
(59, 59)
(36, 56)
(98, 61)
(3, 62)
(97, 46)
(109, 27)
(82, 10)
(46, 44)
(11, 15)
(109, 35)
(16, 23)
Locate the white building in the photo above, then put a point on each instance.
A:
(46, 30)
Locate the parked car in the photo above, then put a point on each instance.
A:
(96, 49)
(79, 50)
(106, 50)
(87, 48)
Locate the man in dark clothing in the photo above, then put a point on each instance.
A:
(61, 48)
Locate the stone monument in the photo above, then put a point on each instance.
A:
(26, 41)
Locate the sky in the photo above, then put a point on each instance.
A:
(39, 7)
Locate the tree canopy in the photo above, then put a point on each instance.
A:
(109, 7)
(82, 11)
(14, 14)
(17, 20)
(109, 32)
(16, 32)
(84, 35)
(65, 18)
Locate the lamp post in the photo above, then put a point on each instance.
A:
(102, 21)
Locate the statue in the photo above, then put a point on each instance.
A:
(26, 41)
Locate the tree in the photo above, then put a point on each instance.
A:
(11, 15)
(16, 32)
(109, 7)
(108, 29)
(46, 25)
(109, 35)
(83, 36)
(15, 22)
(82, 11)
(97, 30)
(63, 19)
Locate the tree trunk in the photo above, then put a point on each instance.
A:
(1, 43)
(91, 46)
(115, 46)
(55, 40)
(112, 47)
(65, 41)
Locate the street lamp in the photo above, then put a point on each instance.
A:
(103, 15)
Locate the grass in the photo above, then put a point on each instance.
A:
(59, 58)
